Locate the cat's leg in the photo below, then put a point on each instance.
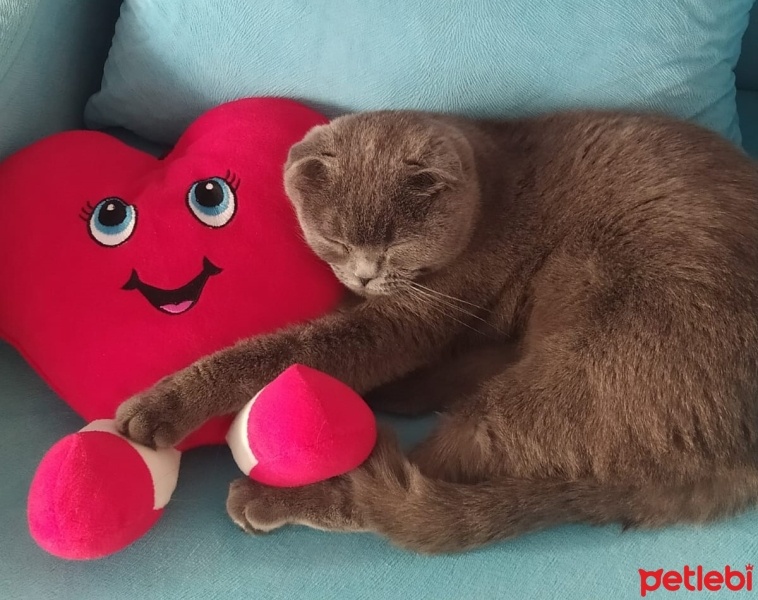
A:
(467, 447)
(469, 442)
(445, 384)
(329, 505)
(326, 505)
(370, 345)
(391, 496)
(462, 448)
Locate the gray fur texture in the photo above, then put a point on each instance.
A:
(576, 293)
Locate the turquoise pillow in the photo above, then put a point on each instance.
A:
(172, 60)
(747, 68)
(51, 60)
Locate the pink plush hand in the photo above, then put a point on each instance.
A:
(302, 428)
(95, 492)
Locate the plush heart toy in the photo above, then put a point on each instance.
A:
(121, 268)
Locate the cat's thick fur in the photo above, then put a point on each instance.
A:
(578, 293)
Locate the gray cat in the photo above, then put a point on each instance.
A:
(576, 293)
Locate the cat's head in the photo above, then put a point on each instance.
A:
(385, 198)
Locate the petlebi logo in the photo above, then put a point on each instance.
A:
(697, 579)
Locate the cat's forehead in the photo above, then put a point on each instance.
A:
(384, 134)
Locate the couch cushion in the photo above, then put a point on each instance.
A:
(747, 106)
(747, 67)
(196, 552)
(171, 61)
(51, 58)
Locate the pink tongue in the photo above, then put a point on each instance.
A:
(175, 309)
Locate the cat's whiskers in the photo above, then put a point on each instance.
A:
(431, 302)
(441, 298)
(426, 300)
(416, 284)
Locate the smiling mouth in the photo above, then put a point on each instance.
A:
(178, 301)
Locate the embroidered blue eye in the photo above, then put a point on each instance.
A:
(213, 201)
(112, 221)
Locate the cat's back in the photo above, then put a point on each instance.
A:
(635, 177)
(659, 213)
(628, 153)
(627, 133)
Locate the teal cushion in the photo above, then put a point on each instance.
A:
(195, 552)
(172, 60)
(747, 67)
(747, 104)
(51, 59)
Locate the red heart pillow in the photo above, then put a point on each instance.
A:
(120, 268)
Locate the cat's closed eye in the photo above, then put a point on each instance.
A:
(336, 245)
(399, 246)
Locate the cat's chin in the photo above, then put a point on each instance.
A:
(370, 291)
(366, 293)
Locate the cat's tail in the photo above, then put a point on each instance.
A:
(433, 516)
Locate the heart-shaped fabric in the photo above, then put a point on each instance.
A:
(118, 268)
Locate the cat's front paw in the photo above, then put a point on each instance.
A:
(159, 417)
(253, 507)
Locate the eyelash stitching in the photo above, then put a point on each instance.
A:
(233, 180)
(86, 211)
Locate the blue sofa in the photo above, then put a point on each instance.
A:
(195, 551)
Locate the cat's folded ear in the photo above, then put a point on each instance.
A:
(308, 164)
(305, 176)
(446, 162)
(311, 171)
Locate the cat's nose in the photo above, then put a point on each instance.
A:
(365, 270)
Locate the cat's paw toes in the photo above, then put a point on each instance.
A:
(250, 506)
(153, 418)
